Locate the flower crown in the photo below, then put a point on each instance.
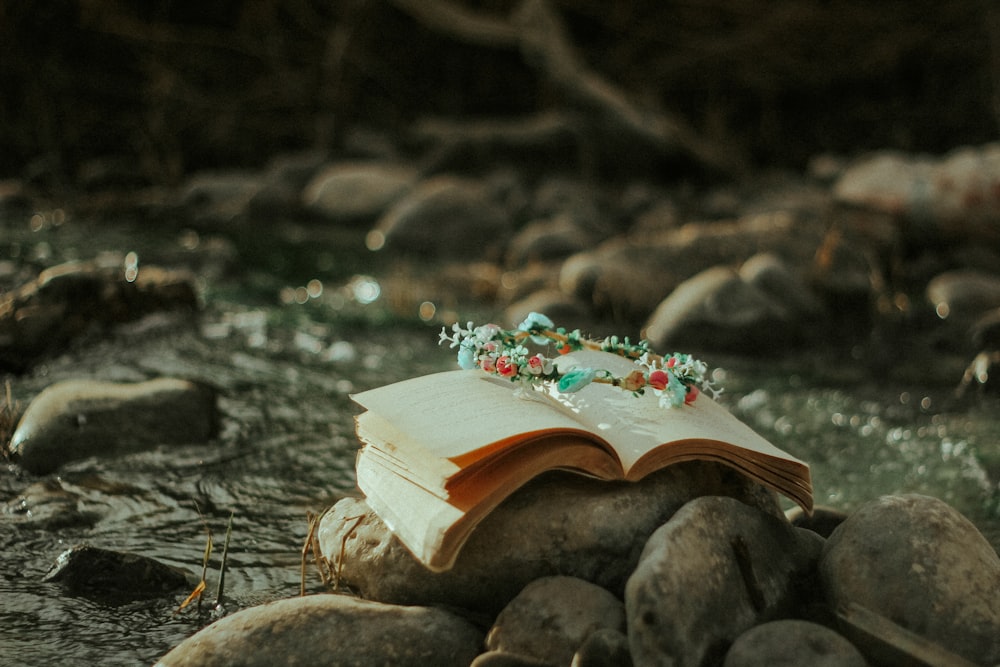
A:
(676, 379)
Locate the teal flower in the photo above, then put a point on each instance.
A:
(534, 323)
(467, 357)
(576, 379)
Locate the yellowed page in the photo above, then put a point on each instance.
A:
(636, 425)
(457, 412)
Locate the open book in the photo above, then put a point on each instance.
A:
(441, 451)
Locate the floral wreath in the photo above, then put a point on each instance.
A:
(677, 379)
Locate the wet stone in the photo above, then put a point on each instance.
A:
(791, 643)
(333, 630)
(552, 617)
(445, 216)
(604, 647)
(41, 317)
(357, 192)
(113, 575)
(74, 419)
(922, 565)
(695, 589)
(558, 524)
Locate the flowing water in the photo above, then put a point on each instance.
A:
(296, 322)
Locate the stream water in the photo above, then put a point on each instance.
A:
(290, 327)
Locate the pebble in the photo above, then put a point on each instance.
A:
(74, 419)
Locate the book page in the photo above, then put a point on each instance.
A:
(455, 413)
(636, 425)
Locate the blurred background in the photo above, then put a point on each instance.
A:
(170, 87)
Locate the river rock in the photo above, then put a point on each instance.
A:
(552, 617)
(791, 643)
(332, 630)
(918, 562)
(604, 647)
(559, 524)
(49, 505)
(504, 659)
(715, 569)
(220, 197)
(114, 575)
(629, 277)
(774, 277)
(74, 419)
(964, 294)
(717, 310)
(445, 216)
(357, 192)
(546, 240)
(64, 301)
(954, 195)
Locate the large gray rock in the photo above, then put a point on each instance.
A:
(791, 643)
(560, 523)
(552, 617)
(75, 419)
(716, 569)
(918, 562)
(331, 630)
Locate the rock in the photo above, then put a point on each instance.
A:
(215, 197)
(922, 565)
(64, 301)
(603, 647)
(445, 216)
(774, 278)
(559, 524)
(552, 616)
(790, 643)
(964, 294)
(357, 192)
(546, 240)
(630, 277)
(565, 311)
(717, 310)
(504, 659)
(333, 630)
(823, 520)
(113, 575)
(74, 419)
(714, 570)
(951, 196)
(49, 505)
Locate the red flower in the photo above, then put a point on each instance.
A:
(506, 367)
(659, 380)
(692, 394)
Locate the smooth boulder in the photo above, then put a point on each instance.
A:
(919, 563)
(74, 419)
(715, 570)
(559, 524)
(331, 630)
